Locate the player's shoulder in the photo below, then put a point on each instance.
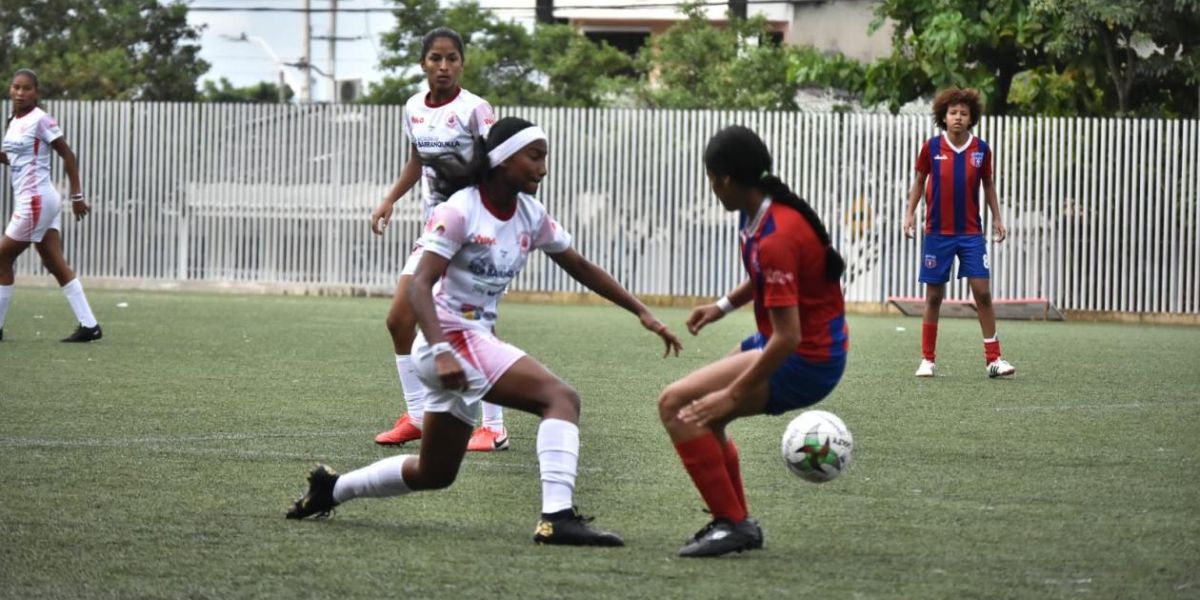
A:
(469, 101)
(464, 201)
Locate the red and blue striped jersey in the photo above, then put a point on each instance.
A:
(952, 193)
(786, 263)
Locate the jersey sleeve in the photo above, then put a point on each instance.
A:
(923, 159)
(482, 119)
(407, 118)
(445, 232)
(779, 263)
(550, 237)
(985, 170)
(48, 130)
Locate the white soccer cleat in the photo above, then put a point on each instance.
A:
(1000, 368)
(927, 368)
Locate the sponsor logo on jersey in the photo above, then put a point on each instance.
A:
(483, 240)
(418, 120)
(773, 276)
(483, 267)
(428, 143)
(941, 156)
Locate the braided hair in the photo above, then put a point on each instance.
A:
(455, 173)
(738, 152)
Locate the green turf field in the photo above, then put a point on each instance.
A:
(158, 463)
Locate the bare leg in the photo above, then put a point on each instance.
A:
(934, 293)
(981, 290)
(10, 250)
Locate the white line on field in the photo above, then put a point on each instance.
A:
(1128, 406)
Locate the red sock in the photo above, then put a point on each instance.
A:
(734, 467)
(991, 350)
(929, 340)
(705, 463)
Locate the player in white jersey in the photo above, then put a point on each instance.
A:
(446, 119)
(28, 138)
(474, 245)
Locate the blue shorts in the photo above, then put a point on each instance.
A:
(939, 253)
(798, 382)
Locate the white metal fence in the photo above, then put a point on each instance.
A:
(1102, 213)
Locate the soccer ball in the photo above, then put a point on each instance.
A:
(817, 447)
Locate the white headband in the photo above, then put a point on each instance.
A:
(514, 144)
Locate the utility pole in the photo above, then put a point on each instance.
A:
(333, 40)
(306, 89)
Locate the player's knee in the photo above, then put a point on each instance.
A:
(669, 402)
(401, 323)
(563, 401)
(438, 479)
(983, 299)
(934, 297)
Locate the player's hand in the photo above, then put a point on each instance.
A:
(1000, 230)
(710, 408)
(450, 372)
(910, 225)
(703, 315)
(380, 217)
(80, 209)
(659, 328)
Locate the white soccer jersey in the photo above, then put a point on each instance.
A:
(27, 145)
(446, 127)
(486, 249)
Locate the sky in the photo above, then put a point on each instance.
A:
(245, 63)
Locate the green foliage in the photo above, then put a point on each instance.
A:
(695, 64)
(507, 65)
(262, 92)
(103, 49)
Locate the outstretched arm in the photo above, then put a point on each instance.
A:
(382, 215)
(707, 313)
(71, 166)
(598, 280)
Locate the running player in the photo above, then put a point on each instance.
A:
(28, 138)
(955, 163)
(473, 246)
(794, 360)
(445, 119)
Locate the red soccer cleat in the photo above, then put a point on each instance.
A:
(488, 440)
(404, 431)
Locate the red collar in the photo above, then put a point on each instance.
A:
(500, 213)
(429, 98)
(22, 114)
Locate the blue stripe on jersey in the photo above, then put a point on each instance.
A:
(935, 190)
(960, 192)
(837, 333)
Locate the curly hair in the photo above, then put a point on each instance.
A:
(955, 95)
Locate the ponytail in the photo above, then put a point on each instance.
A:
(455, 173)
(780, 192)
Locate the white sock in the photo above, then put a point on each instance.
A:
(493, 416)
(376, 480)
(414, 390)
(558, 457)
(5, 300)
(78, 301)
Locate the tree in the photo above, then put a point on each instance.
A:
(262, 92)
(552, 66)
(699, 65)
(103, 49)
(1148, 51)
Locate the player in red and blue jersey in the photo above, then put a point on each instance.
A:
(951, 169)
(794, 360)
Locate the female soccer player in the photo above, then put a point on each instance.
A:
(958, 162)
(35, 219)
(794, 360)
(446, 119)
(473, 246)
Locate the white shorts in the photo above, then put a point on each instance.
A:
(33, 216)
(410, 263)
(484, 358)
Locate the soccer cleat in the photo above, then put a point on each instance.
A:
(927, 368)
(569, 528)
(486, 439)
(722, 536)
(1000, 368)
(403, 431)
(85, 334)
(318, 499)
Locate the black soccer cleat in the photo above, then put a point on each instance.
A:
(318, 499)
(755, 529)
(723, 536)
(569, 528)
(85, 334)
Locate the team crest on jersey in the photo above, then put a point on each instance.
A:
(930, 261)
(524, 242)
(451, 120)
(976, 159)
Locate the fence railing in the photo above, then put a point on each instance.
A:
(1102, 213)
